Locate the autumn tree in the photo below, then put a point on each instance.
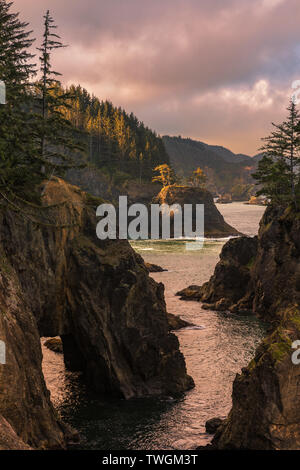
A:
(165, 176)
(117, 142)
(198, 178)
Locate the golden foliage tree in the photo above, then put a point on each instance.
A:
(165, 175)
(198, 178)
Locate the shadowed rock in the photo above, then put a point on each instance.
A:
(176, 323)
(58, 279)
(212, 425)
(24, 399)
(54, 344)
(230, 287)
(9, 440)
(215, 225)
(265, 410)
(154, 268)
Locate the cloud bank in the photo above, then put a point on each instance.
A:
(218, 71)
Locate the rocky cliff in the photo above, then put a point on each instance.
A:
(266, 395)
(24, 400)
(214, 223)
(230, 287)
(58, 279)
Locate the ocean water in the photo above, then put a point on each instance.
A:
(214, 351)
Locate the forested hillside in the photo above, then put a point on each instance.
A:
(118, 142)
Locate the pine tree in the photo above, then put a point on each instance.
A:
(115, 139)
(273, 177)
(57, 139)
(17, 163)
(277, 171)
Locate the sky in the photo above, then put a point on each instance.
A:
(219, 71)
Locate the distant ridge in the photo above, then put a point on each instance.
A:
(224, 169)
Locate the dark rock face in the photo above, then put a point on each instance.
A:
(266, 412)
(215, 225)
(276, 274)
(94, 182)
(212, 425)
(24, 400)
(266, 395)
(230, 287)
(154, 268)
(97, 296)
(9, 440)
(176, 323)
(54, 344)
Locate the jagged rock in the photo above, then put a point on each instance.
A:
(58, 279)
(154, 268)
(207, 306)
(94, 181)
(9, 440)
(176, 323)
(24, 399)
(215, 225)
(232, 278)
(54, 344)
(212, 425)
(190, 293)
(265, 412)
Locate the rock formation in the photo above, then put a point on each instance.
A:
(266, 395)
(58, 279)
(215, 225)
(9, 440)
(176, 322)
(154, 268)
(54, 344)
(24, 400)
(212, 425)
(230, 286)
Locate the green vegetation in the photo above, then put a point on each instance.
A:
(18, 166)
(46, 129)
(280, 345)
(35, 136)
(119, 144)
(56, 139)
(278, 172)
(242, 192)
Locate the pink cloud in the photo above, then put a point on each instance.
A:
(168, 61)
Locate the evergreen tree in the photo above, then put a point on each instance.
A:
(57, 139)
(278, 170)
(17, 162)
(273, 177)
(116, 140)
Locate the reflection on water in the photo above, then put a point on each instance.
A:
(213, 355)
